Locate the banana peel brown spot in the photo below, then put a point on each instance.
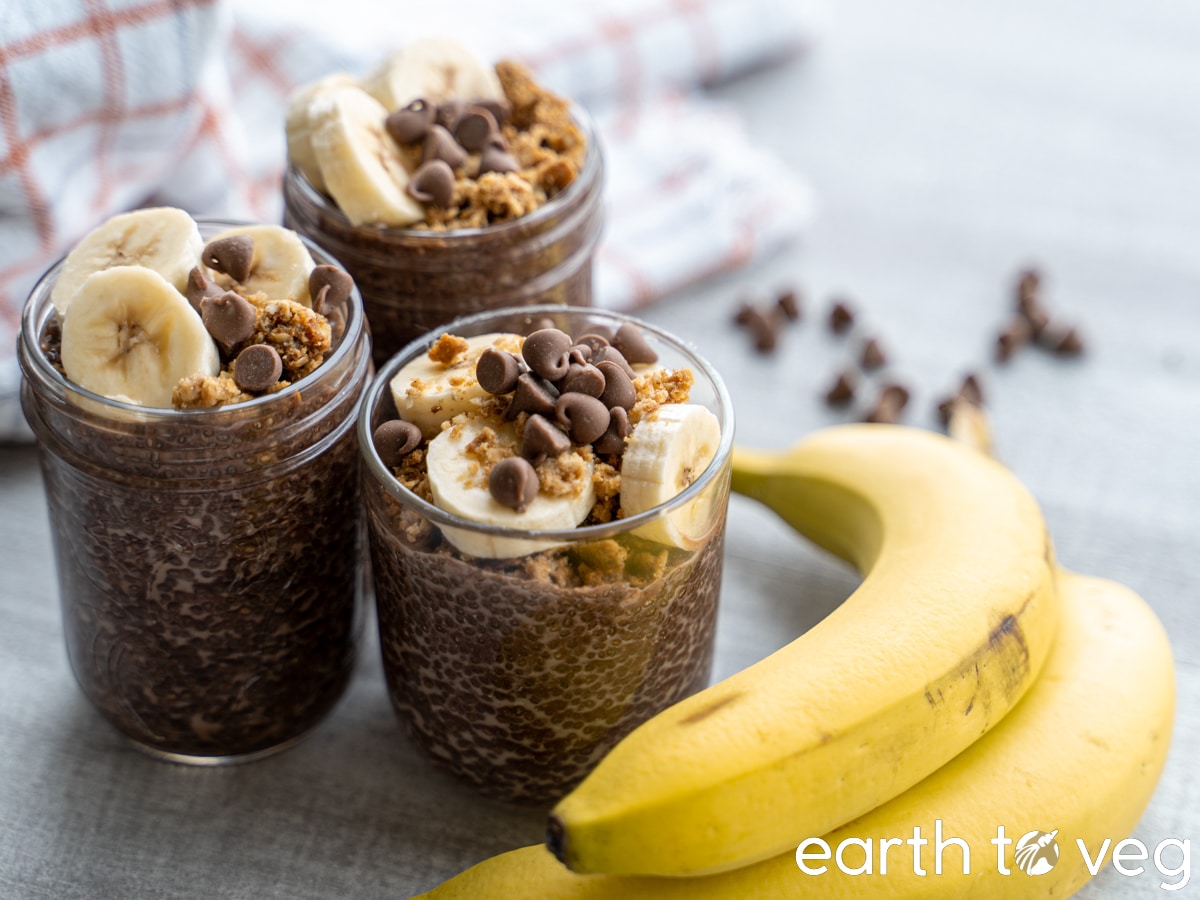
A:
(701, 714)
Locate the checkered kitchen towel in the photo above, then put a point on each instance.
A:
(110, 104)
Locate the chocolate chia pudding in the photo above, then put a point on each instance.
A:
(207, 548)
(444, 200)
(517, 658)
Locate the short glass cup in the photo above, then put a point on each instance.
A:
(413, 280)
(516, 674)
(207, 559)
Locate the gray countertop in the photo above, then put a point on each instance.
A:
(949, 145)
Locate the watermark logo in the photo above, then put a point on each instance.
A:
(1036, 852)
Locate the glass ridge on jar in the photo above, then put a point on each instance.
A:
(513, 682)
(207, 559)
(413, 279)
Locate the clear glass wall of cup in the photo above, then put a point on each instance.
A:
(517, 680)
(413, 280)
(207, 559)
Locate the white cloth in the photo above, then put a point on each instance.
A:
(110, 104)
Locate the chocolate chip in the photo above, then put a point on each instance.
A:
(841, 317)
(439, 144)
(596, 343)
(579, 354)
(547, 351)
(542, 438)
(613, 439)
(745, 312)
(585, 379)
(474, 127)
(1029, 286)
(597, 330)
(257, 368)
(841, 392)
(633, 344)
(231, 255)
(432, 183)
(410, 123)
(532, 395)
(229, 318)
(513, 483)
(892, 400)
(329, 286)
(497, 159)
(497, 371)
(971, 389)
(1011, 338)
(618, 386)
(199, 287)
(788, 302)
(499, 108)
(448, 113)
(612, 354)
(764, 329)
(394, 440)
(585, 418)
(1062, 340)
(872, 356)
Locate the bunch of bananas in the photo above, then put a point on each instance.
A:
(955, 691)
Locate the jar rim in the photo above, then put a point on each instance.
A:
(592, 164)
(34, 317)
(383, 475)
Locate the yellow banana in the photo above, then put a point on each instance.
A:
(951, 624)
(1080, 754)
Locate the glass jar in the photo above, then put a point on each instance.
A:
(516, 673)
(413, 280)
(207, 559)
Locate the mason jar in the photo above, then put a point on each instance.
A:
(207, 559)
(517, 671)
(413, 279)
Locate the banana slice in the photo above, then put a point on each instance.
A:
(428, 393)
(459, 486)
(161, 238)
(360, 163)
(663, 456)
(279, 268)
(436, 69)
(131, 336)
(301, 122)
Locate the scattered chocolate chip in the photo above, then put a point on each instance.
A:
(432, 183)
(547, 351)
(613, 440)
(890, 404)
(788, 302)
(1029, 286)
(473, 128)
(542, 438)
(257, 368)
(583, 379)
(841, 317)
(1035, 316)
(499, 108)
(331, 284)
(971, 389)
(584, 417)
(532, 395)
(497, 159)
(872, 356)
(497, 371)
(1011, 338)
(745, 312)
(1062, 340)
(394, 440)
(231, 255)
(229, 318)
(764, 329)
(513, 483)
(633, 345)
(439, 144)
(199, 287)
(410, 123)
(618, 386)
(841, 392)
